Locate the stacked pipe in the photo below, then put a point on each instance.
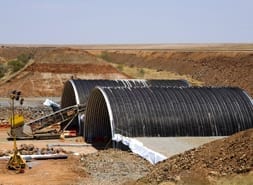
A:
(167, 111)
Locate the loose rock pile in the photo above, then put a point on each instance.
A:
(30, 149)
(232, 155)
(29, 113)
(114, 166)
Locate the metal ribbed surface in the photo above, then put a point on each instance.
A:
(163, 111)
(77, 91)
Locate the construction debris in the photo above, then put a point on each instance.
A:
(30, 149)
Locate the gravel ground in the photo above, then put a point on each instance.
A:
(31, 111)
(113, 167)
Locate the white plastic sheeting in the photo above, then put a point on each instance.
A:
(50, 103)
(137, 147)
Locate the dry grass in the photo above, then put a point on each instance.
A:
(146, 73)
(237, 180)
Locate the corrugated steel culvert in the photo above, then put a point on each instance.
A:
(164, 111)
(77, 91)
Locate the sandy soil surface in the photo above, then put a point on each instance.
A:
(61, 171)
(90, 167)
(225, 161)
(55, 172)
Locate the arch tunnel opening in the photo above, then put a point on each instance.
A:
(99, 126)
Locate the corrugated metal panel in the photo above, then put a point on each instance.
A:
(163, 111)
(77, 91)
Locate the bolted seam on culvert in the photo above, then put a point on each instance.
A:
(166, 111)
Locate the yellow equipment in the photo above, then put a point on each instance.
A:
(18, 121)
(16, 162)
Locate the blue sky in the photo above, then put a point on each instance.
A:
(125, 21)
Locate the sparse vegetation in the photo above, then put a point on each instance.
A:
(120, 67)
(2, 70)
(15, 64)
(24, 58)
(244, 179)
(136, 72)
(142, 72)
(105, 56)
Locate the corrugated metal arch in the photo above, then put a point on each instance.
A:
(164, 111)
(77, 92)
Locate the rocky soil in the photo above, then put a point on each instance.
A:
(224, 157)
(29, 113)
(30, 149)
(112, 166)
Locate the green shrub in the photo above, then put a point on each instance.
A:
(2, 70)
(15, 65)
(24, 58)
(105, 56)
(19, 63)
(142, 72)
(120, 67)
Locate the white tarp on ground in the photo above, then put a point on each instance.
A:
(137, 147)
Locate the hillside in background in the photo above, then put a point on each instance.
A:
(49, 67)
(211, 68)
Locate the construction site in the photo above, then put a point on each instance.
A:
(126, 114)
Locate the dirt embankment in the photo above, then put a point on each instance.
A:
(214, 68)
(51, 68)
(220, 158)
(72, 68)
